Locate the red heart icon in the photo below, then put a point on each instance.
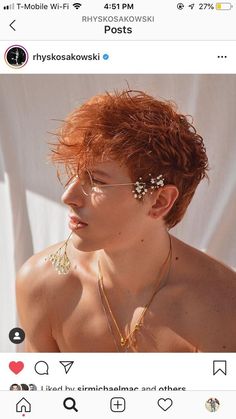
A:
(16, 367)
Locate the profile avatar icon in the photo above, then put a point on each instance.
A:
(24, 387)
(15, 387)
(16, 56)
(32, 387)
(212, 404)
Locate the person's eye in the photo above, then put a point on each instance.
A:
(98, 182)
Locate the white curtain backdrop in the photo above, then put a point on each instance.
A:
(31, 215)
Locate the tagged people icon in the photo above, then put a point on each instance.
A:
(16, 335)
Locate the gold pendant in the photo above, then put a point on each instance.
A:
(123, 342)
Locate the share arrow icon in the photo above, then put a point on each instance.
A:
(67, 365)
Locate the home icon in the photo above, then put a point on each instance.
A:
(23, 406)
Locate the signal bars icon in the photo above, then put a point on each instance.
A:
(77, 5)
(8, 7)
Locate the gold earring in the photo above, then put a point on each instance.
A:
(60, 260)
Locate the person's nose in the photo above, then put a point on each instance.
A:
(73, 194)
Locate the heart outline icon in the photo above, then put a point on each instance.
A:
(16, 367)
(165, 404)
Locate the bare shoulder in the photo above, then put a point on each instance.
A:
(36, 284)
(36, 270)
(202, 268)
(209, 294)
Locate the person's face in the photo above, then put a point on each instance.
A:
(15, 387)
(114, 217)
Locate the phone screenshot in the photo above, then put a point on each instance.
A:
(118, 203)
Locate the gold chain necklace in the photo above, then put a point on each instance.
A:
(124, 341)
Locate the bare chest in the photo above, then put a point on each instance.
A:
(90, 327)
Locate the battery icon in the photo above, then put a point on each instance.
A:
(224, 6)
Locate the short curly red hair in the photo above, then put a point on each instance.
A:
(144, 134)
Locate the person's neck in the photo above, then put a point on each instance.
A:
(137, 268)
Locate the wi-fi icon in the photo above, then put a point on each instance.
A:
(77, 5)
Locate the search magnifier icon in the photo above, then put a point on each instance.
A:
(70, 404)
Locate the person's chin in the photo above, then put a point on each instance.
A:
(83, 244)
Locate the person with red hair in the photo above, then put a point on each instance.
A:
(130, 165)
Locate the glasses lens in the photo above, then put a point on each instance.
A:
(86, 182)
(66, 180)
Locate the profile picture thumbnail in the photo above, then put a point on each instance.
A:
(212, 404)
(15, 387)
(16, 56)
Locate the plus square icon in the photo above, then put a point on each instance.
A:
(117, 404)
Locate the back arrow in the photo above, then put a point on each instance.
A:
(12, 24)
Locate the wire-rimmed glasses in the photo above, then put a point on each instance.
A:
(89, 184)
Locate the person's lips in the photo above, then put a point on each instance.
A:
(76, 221)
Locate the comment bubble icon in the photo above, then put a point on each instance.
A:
(41, 368)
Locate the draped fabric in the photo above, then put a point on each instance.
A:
(32, 216)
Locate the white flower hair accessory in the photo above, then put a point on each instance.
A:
(141, 188)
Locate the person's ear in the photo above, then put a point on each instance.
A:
(163, 200)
